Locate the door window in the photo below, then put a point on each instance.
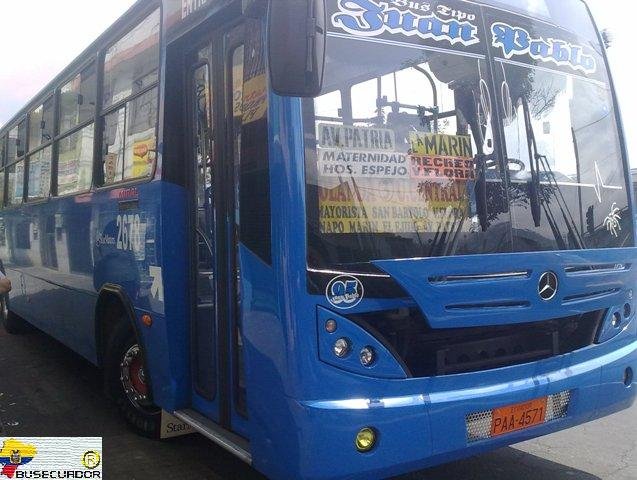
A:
(205, 321)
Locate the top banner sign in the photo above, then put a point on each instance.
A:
(373, 18)
(443, 24)
(516, 41)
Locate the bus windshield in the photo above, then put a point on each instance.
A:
(420, 146)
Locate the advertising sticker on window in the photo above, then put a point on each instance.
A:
(437, 156)
(359, 152)
(368, 186)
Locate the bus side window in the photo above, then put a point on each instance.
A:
(14, 165)
(41, 125)
(75, 161)
(16, 144)
(15, 183)
(130, 98)
(128, 147)
(77, 99)
(39, 173)
(75, 149)
(2, 175)
(3, 152)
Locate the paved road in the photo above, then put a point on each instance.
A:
(47, 390)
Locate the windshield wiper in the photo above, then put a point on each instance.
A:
(481, 191)
(534, 160)
(540, 162)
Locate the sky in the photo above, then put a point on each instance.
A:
(58, 31)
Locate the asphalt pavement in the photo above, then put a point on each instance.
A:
(47, 390)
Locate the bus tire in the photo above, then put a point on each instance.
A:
(124, 379)
(11, 322)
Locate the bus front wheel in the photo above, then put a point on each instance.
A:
(12, 323)
(126, 381)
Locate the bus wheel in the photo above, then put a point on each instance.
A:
(126, 382)
(10, 321)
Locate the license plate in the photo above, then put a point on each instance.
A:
(518, 417)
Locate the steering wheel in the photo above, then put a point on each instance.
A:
(517, 162)
(491, 163)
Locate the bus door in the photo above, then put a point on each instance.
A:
(214, 97)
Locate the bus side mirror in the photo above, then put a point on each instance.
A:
(296, 41)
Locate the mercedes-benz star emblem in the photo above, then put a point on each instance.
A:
(547, 287)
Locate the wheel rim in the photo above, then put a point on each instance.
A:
(133, 378)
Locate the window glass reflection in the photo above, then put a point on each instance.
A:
(2, 187)
(15, 183)
(39, 185)
(75, 161)
(16, 143)
(129, 139)
(131, 64)
(77, 100)
(3, 150)
(35, 128)
(41, 125)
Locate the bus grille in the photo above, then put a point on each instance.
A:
(428, 352)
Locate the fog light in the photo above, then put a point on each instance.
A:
(367, 356)
(617, 319)
(341, 347)
(365, 439)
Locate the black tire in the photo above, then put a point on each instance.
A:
(143, 416)
(11, 322)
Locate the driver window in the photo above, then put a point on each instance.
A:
(552, 116)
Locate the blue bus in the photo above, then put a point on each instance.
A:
(340, 238)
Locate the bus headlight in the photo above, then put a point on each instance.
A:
(342, 347)
(367, 356)
(351, 348)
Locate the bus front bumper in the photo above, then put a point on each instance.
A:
(425, 428)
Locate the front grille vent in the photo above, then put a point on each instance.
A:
(597, 268)
(479, 277)
(428, 352)
(590, 295)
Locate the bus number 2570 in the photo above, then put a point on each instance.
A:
(129, 232)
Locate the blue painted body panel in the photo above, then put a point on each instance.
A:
(58, 255)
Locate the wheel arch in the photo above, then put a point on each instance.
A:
(113, 304)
